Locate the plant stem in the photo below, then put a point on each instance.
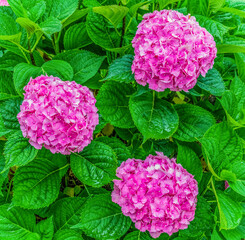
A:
(30, 52)
(9, 189)
(123, 31)
(87, 190)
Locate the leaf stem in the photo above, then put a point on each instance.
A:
(87, 190)
(9, 189)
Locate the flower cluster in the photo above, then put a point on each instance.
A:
(59, 115)
(171, 51)
(4, 3)
(158, 194)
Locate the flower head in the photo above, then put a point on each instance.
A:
(158, 194)
(171, 51)
(59, 115)
(4, 3)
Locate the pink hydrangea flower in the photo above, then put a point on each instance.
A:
(4, 3)
(171, 51)
(158, 194)
(59, 115)
(226, 185)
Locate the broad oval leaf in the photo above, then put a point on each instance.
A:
(194, 121)
(18, 151)
(67, 234)
(76, 37)
(217, 29)
(28, 9)
(37, 184)
(230, 212)
(22, 74)
(98, 31)
(95, 165)
(17, 223)
(85, 64)
(58, 68)
(66, 212)
(155, 118)
(226, 140)
(138, 235)
(120, 70)
(113, 13)
(8, 116)
(117, 146)
(61, 9)
(190, 161)
(212, 82)
(238, 168)
(103, 219)
(113, 103)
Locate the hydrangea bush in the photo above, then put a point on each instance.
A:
(122, 119)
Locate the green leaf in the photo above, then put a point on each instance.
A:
(240, 31)
(22, 74)
(26, 9)
(235, 11)
(50, 26)
(194, 121)
(67, 234)
(98, 31)
(75, 16)
(238, 168)
(37, 184)
(120, 70)
(117, 146)
(9, 60)
(137, 235)
(203, 220)
(61, 9)
(237, 233)
(113, 103)
(17, 223)
(103, 219)
(189, 160)
(29, 25)
(18, 151)
(215, 5)
(215, 157)
(226, 140)
(95, 165)
(197, 7)
(8, 32)
(8, 116)
(212, 82)
(113, 13)
(216, 29)
(230, 212)
(45, 228)
(7, 89)
(231, 44)
(66, 212)
(155, 118)
(76, 37)
(85, 64)
(58, 68)
(240, 62)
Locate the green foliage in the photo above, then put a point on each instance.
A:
(96, 165)
(37, 184)
(155, 118)
(45, 196)
(193, 122)
(113, 103)
(103, 219)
